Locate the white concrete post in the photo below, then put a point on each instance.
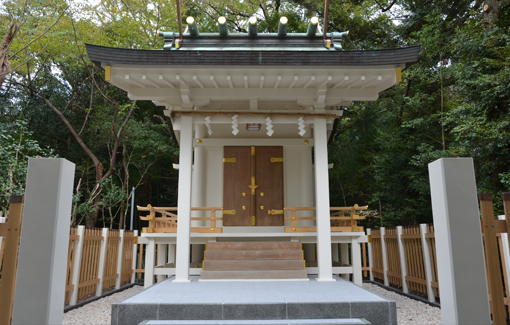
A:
(384, 258)
(102, 262)
(322, 200)
(427, 262)
(460, 257)
(120, 259)
(135, 248)
(357, 273)
(184, 200)
(149, 263)
(506, 252)
(44, 243)
(162, 256)
(402, 255)
(344, 258)
(75, 279)
(370, 256)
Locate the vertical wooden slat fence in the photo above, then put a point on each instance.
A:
(73, 237)
(394, 271)
(377, 268)
(90, 263)
(415, 278)
(127, 258)
(110, 267)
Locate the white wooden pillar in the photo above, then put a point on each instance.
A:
(150, 250)
(344, 258)
(102, 262)
(184, 200)
(322, 200)
(162, 256)
(335, 253)
(357, 272)
(199, 190)
(44, 242)
(402, 255)
(171, 254)
(427, 262)
(370, 256)
(135, 253)
(120, 259)
(75, 278)
(384, 257)
(460, 256)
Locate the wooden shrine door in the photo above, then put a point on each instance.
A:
(253, 186)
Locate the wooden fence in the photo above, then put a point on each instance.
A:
(405, 258)
(98, 260)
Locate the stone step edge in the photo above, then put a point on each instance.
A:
(336, 321)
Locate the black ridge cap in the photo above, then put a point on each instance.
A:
(110, 55)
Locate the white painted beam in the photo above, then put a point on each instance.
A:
(195, 78)
(213, 81)
(230, 82)
(162, 78)
(144, 77)
(245, 78)
(293, 81)
(178, 78)
(261, 84)
(346, 78)
(312, 79)
(254, 142)
(280, 94)
(278, 80)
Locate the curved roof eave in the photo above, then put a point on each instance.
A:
(110, 55)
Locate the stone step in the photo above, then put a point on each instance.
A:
(234, 265)
(254, 255)
(252, 246)
(339, 321)
(252, 275)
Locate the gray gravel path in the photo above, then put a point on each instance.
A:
(409, 311)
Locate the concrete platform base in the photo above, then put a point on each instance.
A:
(257, 300)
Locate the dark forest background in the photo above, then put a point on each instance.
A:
(455, 102)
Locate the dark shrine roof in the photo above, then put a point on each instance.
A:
(271, 51)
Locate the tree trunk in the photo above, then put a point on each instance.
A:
(492, 11)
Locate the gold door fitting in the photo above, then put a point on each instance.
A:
(261, 193)
(150, 230)
(244, 193)
(244, 207)
(253, 221)
(355, 229)
(232, 212)
(253, 150)
(273, 159)
(261, 207)
(199, 141)
(274, 212)
(230, 160)
(369, 238)
(253, 186)
(355, 217)
(307, 142)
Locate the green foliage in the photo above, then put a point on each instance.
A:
(454, 102)
(17, 145)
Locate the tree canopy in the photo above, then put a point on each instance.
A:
(455, 102)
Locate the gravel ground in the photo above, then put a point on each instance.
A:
(98, 312)
(409, 311)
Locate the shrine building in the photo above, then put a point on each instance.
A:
(252, 114)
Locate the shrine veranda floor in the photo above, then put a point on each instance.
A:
(254, 300)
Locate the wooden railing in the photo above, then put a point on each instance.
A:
(340, 221)
(167, 222)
